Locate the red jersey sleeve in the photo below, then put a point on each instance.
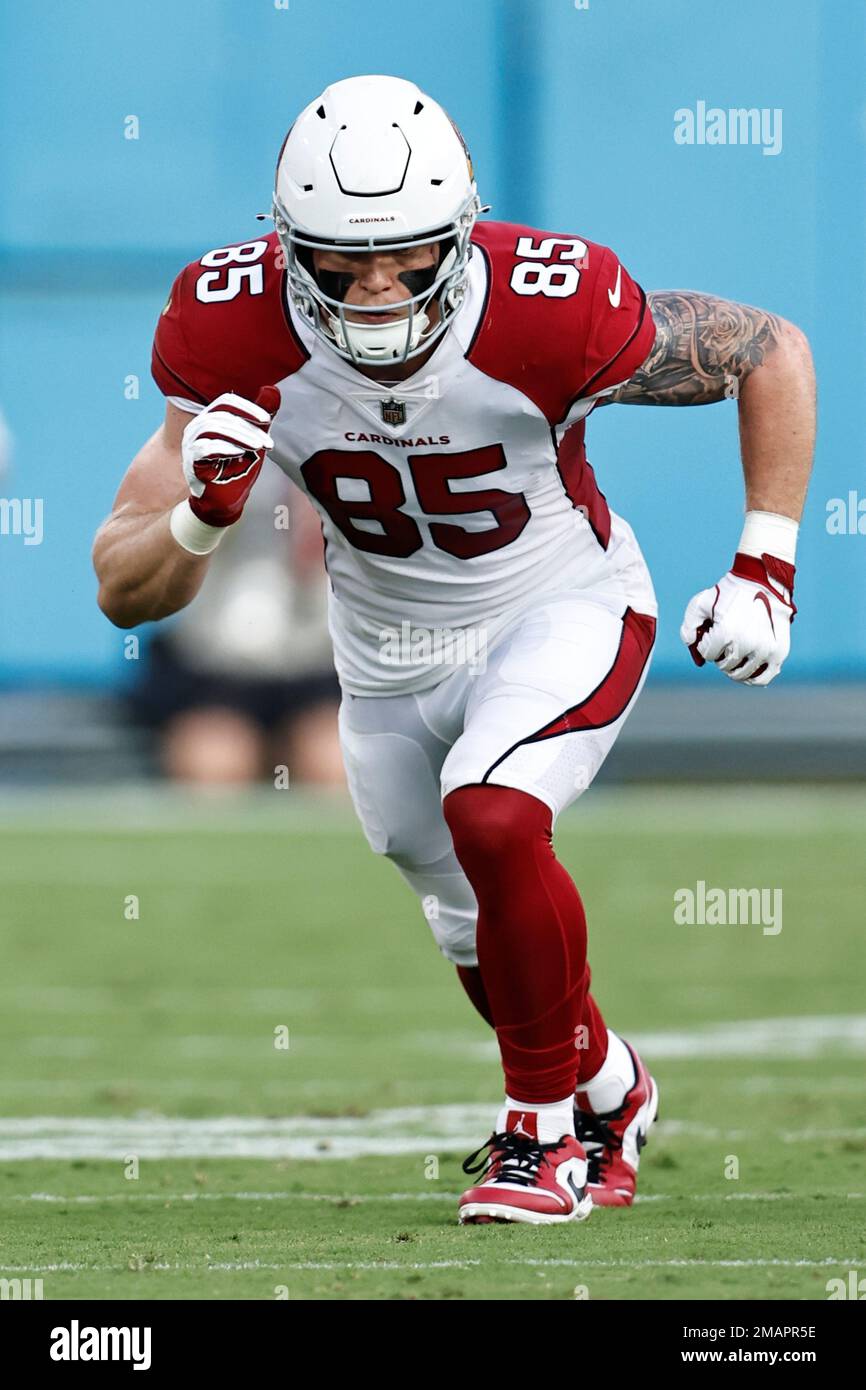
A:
(563, 319)
(172, 364)
(226, 326)
(620, 331)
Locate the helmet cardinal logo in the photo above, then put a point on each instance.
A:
(459, 133)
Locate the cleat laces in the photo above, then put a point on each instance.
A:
(516, 1159)
(598, 1139)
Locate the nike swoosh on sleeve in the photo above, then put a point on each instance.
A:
(614, 294)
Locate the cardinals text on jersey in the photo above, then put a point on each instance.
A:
(457, 498)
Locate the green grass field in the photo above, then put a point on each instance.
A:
(330, 1168)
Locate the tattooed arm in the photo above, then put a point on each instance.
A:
(707, 349)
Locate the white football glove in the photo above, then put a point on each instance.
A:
(743, 624)
(225, 440)
(222, 451)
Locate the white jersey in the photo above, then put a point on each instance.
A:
(458, 498)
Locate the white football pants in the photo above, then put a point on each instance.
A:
(540, 714)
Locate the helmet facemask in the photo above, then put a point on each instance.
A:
(319, 296)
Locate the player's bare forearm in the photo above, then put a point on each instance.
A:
(708, 349)
(144, 575)
(184, 488)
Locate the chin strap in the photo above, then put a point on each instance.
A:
(382, 343)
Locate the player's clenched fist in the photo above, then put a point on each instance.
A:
(222, 450)
(743, 623)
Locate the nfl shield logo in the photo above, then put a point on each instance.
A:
(394, 412)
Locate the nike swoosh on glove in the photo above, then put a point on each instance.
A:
(223, 450)
(743, 624)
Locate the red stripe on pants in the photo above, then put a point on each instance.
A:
(611, 697)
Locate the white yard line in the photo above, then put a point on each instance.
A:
(415, 1130)
(366, 1198)
(829, 1262)
(352, 1199)
(244, 1266)
(408, 1130)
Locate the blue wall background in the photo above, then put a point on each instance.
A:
(569, 114)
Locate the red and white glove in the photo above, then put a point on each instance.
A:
(743, 624)
(223, 450)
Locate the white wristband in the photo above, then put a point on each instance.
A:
(767, 533)
(191, 534)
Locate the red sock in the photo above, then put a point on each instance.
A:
(470, 979)
(590, 1056)
(531, 936)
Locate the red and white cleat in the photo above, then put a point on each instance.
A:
(527, 1180)
(613, 1141)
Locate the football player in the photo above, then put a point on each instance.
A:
(425, 377)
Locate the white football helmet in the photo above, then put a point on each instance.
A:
(374, 164)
